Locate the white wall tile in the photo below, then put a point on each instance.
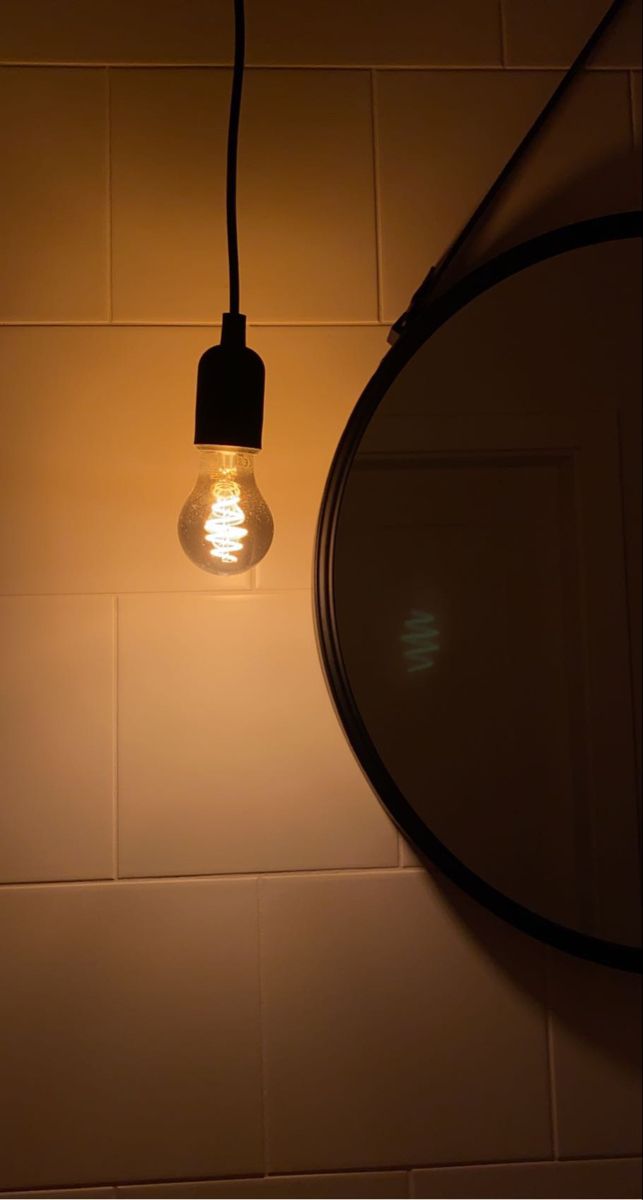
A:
(408, 857)
(402, 1026)
(442, 137)
(581, 165)
(306, 203)
(601, 1177)
(391, 1034)
(546, 33)
(53, 199)
(56, 742)
(129, 1029)
(442, 33)
(231, 758)
(445, 32)
(101, 421)
(84, 1193)
(98, 458)
(367, 1184)
(596, 1025)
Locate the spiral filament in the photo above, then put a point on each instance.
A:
(224, 527)
(421, 640)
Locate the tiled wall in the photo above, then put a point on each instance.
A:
(219, 961)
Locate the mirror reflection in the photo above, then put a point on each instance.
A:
(484, 582)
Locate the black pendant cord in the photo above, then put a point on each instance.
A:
(231, 376)
(233, 140)
(429, 283)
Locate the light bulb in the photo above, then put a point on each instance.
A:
(225, 525)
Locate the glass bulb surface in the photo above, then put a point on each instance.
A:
(225, 525)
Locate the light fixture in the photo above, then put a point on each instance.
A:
(225, 525)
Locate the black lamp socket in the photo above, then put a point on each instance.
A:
(229, 390)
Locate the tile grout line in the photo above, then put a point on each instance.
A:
(355, 1172)
(204, 324)
(503, 33)
(115, 814)
(262, 1042)
(110, 255)
(551, 1073)
(409, 1169)
(225, 67)
(630, 616)
(228, 877)
(215, 593)
(630, 88)
(377, 213)
(442, 68)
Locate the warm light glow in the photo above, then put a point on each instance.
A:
(224, 526)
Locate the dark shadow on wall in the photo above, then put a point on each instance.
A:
(594, 1011)
(611, 185)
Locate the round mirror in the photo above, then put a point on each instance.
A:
(478, 585)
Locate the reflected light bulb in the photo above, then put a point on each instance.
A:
(225, 525)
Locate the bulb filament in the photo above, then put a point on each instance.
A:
(421, 641)
(224, 527)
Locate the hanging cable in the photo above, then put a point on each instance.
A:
(233, 140)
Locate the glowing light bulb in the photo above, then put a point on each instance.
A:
(225, 525)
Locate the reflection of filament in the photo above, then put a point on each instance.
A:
(224, 525)
(421, 640)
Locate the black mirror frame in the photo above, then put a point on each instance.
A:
(422, 325)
